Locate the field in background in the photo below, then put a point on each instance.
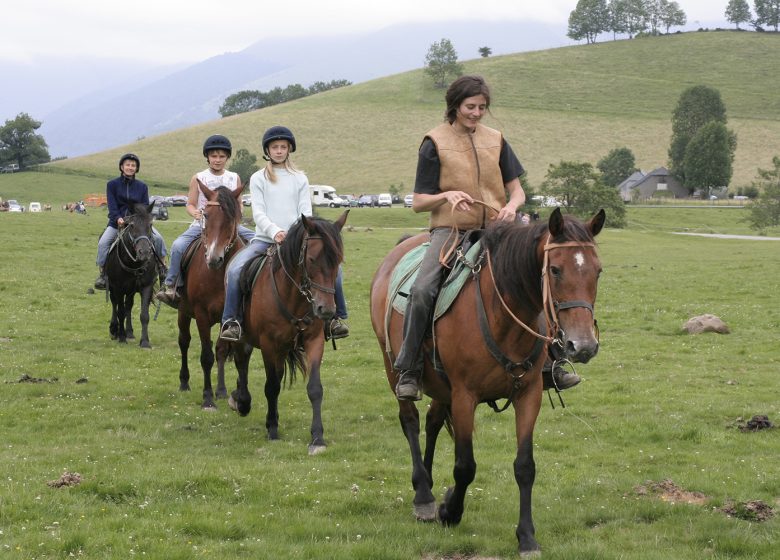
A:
(162, 479)
(572, 103)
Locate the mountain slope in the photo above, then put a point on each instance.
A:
(572, 103)
(193, 95)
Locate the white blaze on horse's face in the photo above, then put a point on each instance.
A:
(579, 259)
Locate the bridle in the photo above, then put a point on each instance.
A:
(131, 250)
(204, 221)
(304, 287)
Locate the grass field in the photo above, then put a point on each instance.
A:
(162, 479)
(572, 103)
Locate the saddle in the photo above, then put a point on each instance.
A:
(461, 263)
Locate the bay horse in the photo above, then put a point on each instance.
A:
(488, 352)
(283, 317)
(131, 267)
(203, 296)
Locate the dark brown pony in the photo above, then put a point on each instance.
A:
(284, 315)
(131, 267)
(493, 354)
(204, 287)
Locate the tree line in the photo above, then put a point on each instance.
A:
(250, 100)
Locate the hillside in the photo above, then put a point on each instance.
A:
(571, 103)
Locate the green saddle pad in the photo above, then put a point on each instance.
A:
(406, 271)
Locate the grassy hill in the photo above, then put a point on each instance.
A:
(572, 103)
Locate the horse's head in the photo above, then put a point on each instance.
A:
(570, 276)
(314, 248)
(138, 227)
(219, 224)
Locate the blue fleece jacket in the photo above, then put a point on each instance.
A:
(122, 194)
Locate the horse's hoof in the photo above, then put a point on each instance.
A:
(316, 449)
(232, 404)
(184, 387)
(130, 337)
(221, 393)
(146, 345)
(209, 408)
(531, 554)
(425, 512)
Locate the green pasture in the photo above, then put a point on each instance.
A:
(572, 103)
(163, 479)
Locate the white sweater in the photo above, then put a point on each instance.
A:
(276, 206)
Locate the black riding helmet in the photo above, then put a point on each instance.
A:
(217, 142)
(132, 157)
(278, 133)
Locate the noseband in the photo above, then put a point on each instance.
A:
(204, 221)
(306, 285)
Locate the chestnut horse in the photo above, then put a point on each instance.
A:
(283, 317)
(487, 350)
(131, 267)
(204, 287)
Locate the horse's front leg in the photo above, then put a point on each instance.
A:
(129, 300)
(314, 351)
(118, 304)
(241, 399)
(184, 345)
(113, 326)
(206, 360)
(527, 408)
(274, 369)
(223, 349)
(146, 298)
(434, 422)
(451, 508)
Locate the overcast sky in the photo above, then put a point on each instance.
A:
(175, 31)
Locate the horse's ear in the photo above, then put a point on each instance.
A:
(150, 207)
(342, 220)
(597, 222)
(207, 192)
(556, 222)
(238, 191)
(308, 224)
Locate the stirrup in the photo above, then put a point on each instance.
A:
(408, 386)
(231, 331)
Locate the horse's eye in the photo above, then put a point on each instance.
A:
(555, 271)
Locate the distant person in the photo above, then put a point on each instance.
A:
(122, 194)
(280, 195)
(460, 162)
(217, 150)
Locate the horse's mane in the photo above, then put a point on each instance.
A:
(228, 203)
(514, 257)
(289, 251)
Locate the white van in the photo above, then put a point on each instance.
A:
(323, 195)
(385, 200)
(35, 207)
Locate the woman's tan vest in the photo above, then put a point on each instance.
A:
(469, 163)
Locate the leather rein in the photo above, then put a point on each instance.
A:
(304, 288)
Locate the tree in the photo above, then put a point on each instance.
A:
(442, 62)
(242, 102)
(671, 14)
(589, 19)
(579, 187)
(244, 163)
(616, 166)
(738, 12)
(635, 17)
(616, 21)
(251, 100)
(709, 157)
(20, 144)
(697, 106)
(765, 210)
(767, 12)
(485, 52)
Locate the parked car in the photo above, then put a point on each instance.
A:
(177, 200)
(246, 199)
(351, 200)
(370, 200)
(14, 206)
(159, 200)
(385, 200)
(11, 168)
(160, 212)
(408, 200)
(35, 207)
